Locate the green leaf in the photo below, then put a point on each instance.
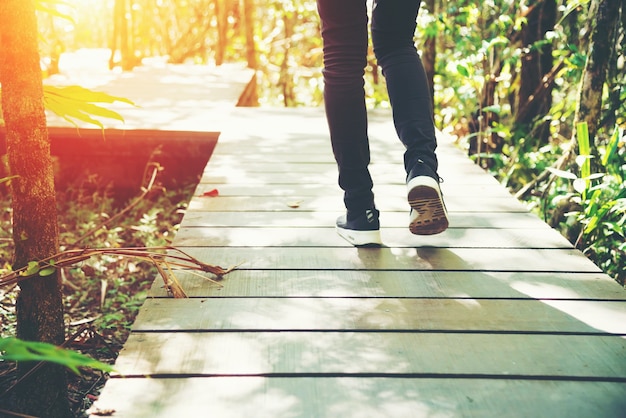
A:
(612, 146)
(582, 135)
(580, 185)
(82, 94)
(13, 349)
(31, 269)
(48, 271)
(77, 103)
(563, 174)
(462, 69)
(493, 108)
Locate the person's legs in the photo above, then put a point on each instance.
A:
(344, 32)
(393, 29)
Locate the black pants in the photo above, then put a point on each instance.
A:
(344, 32)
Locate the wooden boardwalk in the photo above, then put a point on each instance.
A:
(497, 317)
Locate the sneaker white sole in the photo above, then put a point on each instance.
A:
(428, 212)
(360, 238)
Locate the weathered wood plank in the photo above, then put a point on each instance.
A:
(255, 163)
(412, 284)
(334, 202)
(398, 219)
(366, 397)
(244, 189)
(317, 150)
(325, 174)
(462, 314)
(246, 236)
(397, 259)
(250, 353)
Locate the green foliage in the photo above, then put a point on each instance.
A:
(479, 58)
(75, 103)
(115, 286)
(13, 349)
(596, 220)
(603, 200)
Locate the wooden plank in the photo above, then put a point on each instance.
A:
(326, 174)
(397, 219)
(366, 397)
(397, 259)
(382, 353)
(262, 397)
(304, 314)
(246, 236)
(245, 189)
(256, 163)
(411, 284)
(334, 202)
(300, 149)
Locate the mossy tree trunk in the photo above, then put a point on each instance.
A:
(35, 230)
(600, 47)
(535, 93)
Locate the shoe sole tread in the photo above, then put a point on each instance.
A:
(425, 198)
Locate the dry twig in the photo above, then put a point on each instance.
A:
(163, 258)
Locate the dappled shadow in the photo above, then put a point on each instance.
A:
(263, 397)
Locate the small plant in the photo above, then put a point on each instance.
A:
(13, 349)
(597, 219)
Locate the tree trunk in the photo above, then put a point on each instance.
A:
(595, 72)
(536, 64)
(35, 231)
(615, 71)
(120, 33)
(285, 81)
(221, 14)
(485, 140)
(251, 53)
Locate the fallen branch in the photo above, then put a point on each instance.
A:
(163, 258)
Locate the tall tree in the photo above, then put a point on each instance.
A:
(604, 15)
(535, 95)
(221, 12)
(251, 50)
(39, 305)
(120, 34)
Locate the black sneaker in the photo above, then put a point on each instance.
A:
(428, 211)
(360, 230)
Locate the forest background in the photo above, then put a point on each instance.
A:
(533, 91)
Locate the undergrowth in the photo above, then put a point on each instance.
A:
(102, 295)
